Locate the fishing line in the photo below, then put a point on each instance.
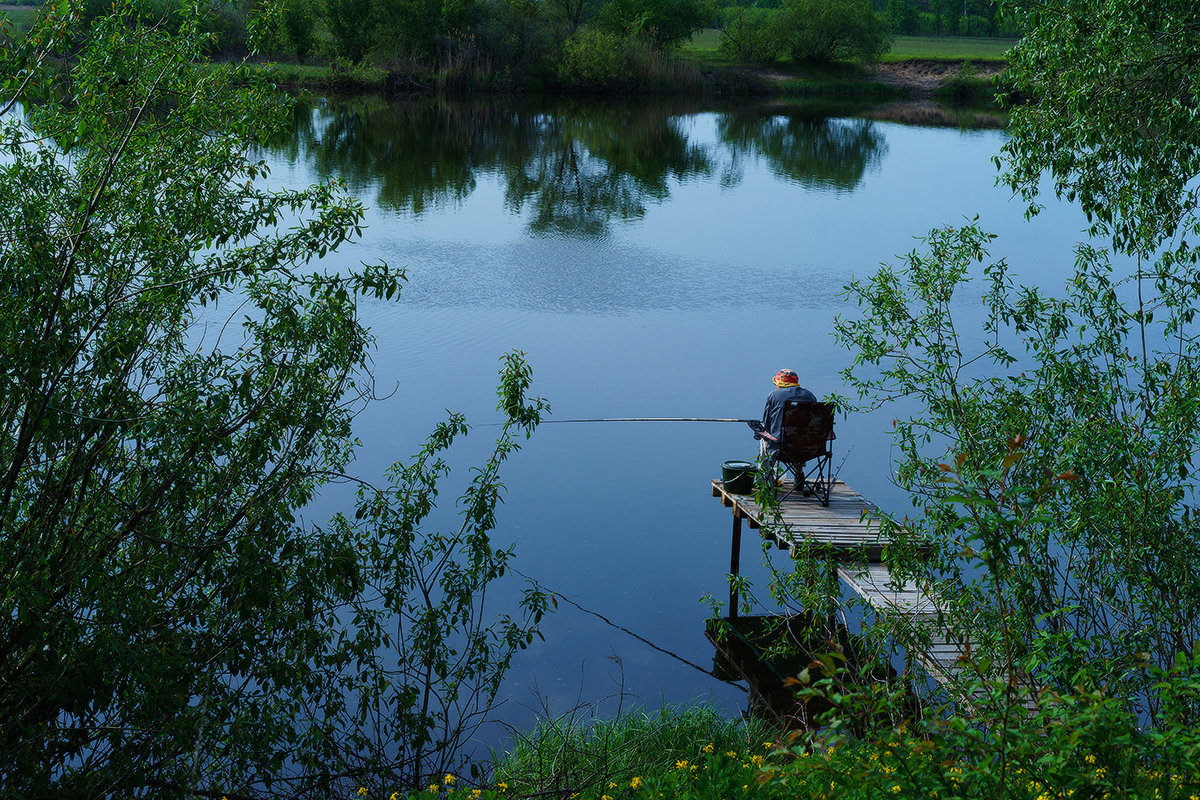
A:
(610, 623)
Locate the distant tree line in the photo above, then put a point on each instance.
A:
(592, 42)
(763, 31)
(583, 43)
(949, 17)
(923, 17)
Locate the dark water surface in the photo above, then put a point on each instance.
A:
(651, 261)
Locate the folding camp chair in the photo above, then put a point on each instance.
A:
(806, 447)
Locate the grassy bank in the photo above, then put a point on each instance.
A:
(698, 754)
(562, 757)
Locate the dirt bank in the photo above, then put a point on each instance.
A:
(916, 79)
(921, 77)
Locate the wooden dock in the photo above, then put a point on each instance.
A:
(842, 526)
(847, 531)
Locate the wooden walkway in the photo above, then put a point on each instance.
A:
(840, 527)
(853, 538)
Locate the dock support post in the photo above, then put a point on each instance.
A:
(734, 559)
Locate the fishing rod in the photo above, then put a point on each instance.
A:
(650, 419)
(755, 424)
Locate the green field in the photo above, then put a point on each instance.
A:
(949, 48)
(20, 18)
(934, 48)
(708, 39)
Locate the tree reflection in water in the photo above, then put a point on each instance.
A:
(574, 167)
(814, 152)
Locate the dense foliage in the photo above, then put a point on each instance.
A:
(178, 386)
(1049, 452)
(1047, 443)
(806, 31)
(831, 30)
(493, 43)
(950, 17)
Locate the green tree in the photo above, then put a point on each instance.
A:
(411, 27)
(571, 13)
(831, 30)
(666, 23)
(903, 16)
(1051, 456)
(351, 23)
(178, 385)
(299, 22)
(1111, 115)
(747, 35)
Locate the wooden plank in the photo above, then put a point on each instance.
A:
(839, 529)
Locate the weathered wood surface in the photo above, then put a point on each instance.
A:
(892, 598)
(846, 531)
(840, 527)
(944, 657)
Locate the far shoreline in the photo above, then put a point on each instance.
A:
(954, 92)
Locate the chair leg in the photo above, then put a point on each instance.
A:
(824, 480)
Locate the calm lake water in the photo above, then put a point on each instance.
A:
(654, 261)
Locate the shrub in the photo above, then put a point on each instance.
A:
(299, 22)
(666, 23)
(831, 30)
(595, 58)
(747, 36)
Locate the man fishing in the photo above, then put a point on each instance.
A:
(787, 387)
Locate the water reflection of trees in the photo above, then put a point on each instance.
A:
(815, 152)
(581, 170)
(573, 169)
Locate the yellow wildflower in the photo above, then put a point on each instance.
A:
(757, 760)
(362, 791)
(612, 785)
(433, 788)
(502, 786)
(681, 764)
(449, 779)
(768, 745)
(476, 794)
(708, 748)
(605, 797)
(730, 753)
(636, 783)
(1089, 758)
(395, 796)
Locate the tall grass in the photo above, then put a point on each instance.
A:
(569, 754)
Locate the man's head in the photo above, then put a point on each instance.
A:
(786, 377)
